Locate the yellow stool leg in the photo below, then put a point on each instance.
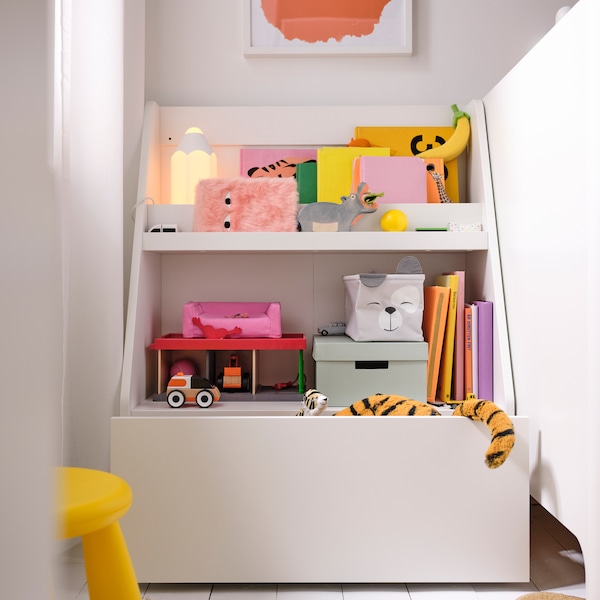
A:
(110, 574)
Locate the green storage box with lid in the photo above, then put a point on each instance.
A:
(347, 371)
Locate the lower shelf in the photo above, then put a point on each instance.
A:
(406, 499)
(288, 341)
(267, 401)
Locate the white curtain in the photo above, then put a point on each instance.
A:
(30, 300)
(89, 150)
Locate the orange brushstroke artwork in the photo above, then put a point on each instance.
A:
(321, 20)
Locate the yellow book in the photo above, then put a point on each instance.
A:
(447, 364)
(409, 141)
(334, 170)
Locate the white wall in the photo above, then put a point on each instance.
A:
(92, 190)
(30, 301)
(461, 49)
(550, 247)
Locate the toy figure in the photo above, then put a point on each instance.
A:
(498, 422)
(331, 216)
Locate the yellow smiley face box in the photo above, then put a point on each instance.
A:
(410, 141)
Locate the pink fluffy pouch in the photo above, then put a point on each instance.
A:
(243, 204)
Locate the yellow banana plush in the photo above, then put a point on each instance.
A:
(458, 140)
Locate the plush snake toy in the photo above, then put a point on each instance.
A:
(498, 422)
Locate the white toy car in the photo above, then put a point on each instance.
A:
(333, 329)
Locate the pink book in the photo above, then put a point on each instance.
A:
(273, 162)
(485, 344)
(402, 179)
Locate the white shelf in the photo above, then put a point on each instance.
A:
(366, 237)
(352, 241)
(237, 408)
(165, 273)
(224, 408)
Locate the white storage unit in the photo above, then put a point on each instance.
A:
(244, 491)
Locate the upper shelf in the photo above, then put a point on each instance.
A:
(366, 238)
(360, 241)
(230, 128)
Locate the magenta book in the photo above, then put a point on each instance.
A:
(485, 350)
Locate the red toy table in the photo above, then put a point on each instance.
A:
(288, 341)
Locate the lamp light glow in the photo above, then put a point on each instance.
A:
(193, 160)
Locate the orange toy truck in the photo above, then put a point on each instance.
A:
(191, 388)
(233, 379)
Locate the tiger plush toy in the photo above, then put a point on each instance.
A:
(313, 404)
(498, 422)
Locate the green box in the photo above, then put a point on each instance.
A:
(347, 371)
(306, 177)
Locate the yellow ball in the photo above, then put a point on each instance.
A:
(394, 220)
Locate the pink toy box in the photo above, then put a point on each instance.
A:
(231, 319)
(246, 204)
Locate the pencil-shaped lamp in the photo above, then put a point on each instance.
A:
(193, 160)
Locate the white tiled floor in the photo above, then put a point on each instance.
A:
(556, 566)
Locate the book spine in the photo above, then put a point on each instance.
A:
(458, 377)
(485, 350)
(446, 369)
(435, 316)
(468, 350)
(475, 345)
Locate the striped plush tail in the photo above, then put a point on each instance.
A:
(381, 405)
(499, 424)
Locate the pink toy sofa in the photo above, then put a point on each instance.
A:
(231, 319)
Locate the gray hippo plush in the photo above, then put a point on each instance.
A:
(333, 216)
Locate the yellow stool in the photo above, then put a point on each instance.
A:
(90, 505)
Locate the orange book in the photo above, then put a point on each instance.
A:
(468, 350)
(433, 194)
(435, 314)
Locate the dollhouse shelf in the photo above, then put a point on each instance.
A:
(288, 341)
(176, 341)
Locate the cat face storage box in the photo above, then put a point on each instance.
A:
(347, 371)
(384, 307)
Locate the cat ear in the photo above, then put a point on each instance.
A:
(409, 265)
